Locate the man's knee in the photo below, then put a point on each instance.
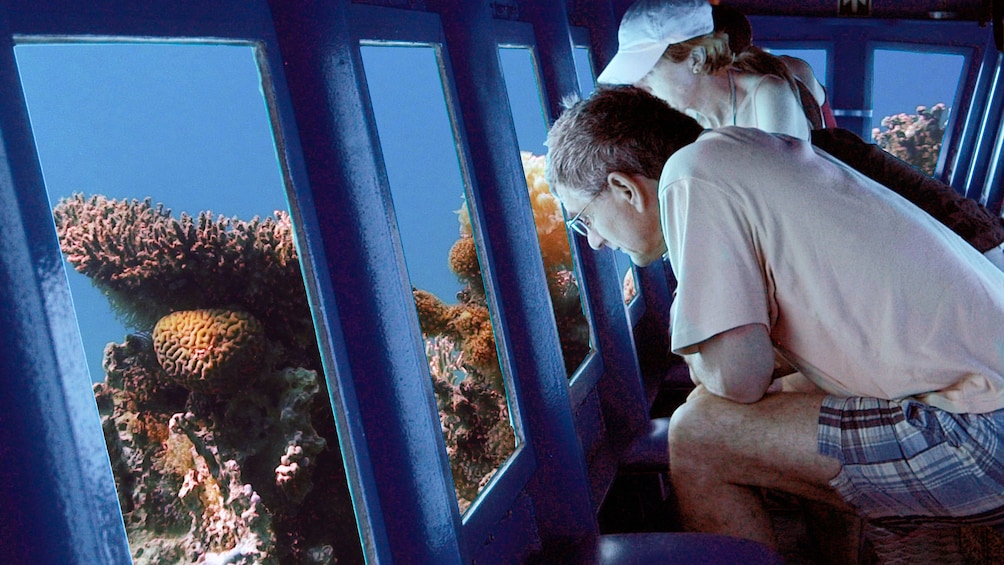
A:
(695, 424)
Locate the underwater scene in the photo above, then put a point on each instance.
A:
(171, 214)
(181, 256)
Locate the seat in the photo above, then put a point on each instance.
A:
(667, 548)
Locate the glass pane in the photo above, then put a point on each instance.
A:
(584, 70)
(170, 207)
(443, 263)
(531, 132)
(912, 97)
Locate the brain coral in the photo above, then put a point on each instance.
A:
(209, 350)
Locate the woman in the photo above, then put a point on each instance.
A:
(670, 49)
(811, 91)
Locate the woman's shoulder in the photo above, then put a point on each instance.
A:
(769, 102)
(753, 83)
(802, 72)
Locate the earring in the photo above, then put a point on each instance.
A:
(695, 70)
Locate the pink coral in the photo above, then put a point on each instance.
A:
(914, 138)
(154, 264)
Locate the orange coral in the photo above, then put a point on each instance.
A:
(209, 350)
(433, 314)
(914, 138)
(472, 324)
(464, 259)
(547, 216)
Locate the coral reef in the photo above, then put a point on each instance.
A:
(470, 394)
(151, 264)
(914, 138)
(460, 342)
(213, 415)
(555, 251)
(547, 215)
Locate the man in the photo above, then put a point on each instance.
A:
(894, 323)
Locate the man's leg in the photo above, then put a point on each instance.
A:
(722, 452)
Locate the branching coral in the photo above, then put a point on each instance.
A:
(229, 523)
(153, 264)
(209, 350)
(914, 138)
(460, 346)
(475, 421)
(293, 474)
(216, 485)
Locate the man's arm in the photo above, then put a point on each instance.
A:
(736, 364)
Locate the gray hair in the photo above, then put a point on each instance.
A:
(617, 129)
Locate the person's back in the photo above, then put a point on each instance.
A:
(866, 291)
(671, 49)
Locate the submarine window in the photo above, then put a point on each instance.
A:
(169, 203)
(442, 258)
(583, 61)
(912, 98)
(525, 103)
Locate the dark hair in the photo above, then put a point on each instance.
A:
(617, 129)
(735, 24)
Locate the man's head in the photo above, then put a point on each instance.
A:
(605, 156)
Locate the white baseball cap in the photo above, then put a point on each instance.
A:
(648, 27)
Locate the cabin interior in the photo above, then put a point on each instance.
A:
(576, 381)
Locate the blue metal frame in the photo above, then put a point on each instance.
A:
(851, 44)
(59, 502)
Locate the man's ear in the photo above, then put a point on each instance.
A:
(630, 188)
(698, 59)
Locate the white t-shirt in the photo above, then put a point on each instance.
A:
(861, 291)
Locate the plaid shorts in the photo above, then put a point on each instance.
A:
(906, 458)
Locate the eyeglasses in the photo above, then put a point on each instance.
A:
(577, 223)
